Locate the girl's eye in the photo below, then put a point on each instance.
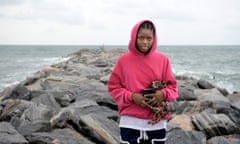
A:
(149, 38)
(142, 38)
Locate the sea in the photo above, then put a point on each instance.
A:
(218, 64)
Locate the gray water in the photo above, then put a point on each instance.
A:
(18, 62)
(217, 64)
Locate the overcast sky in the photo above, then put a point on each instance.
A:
(96, 22)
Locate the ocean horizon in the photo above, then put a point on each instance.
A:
(218, 64)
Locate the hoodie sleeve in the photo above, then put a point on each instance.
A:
(171, 91)
(116, 89)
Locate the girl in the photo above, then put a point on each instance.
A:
(134, 71)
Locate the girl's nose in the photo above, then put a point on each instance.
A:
(145, 40)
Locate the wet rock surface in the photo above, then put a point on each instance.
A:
(68, 103)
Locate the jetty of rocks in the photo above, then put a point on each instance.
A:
(68, 103)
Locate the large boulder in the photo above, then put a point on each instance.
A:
(214, 124)
(9, 135)
(58, 136)
(235, 99)
(211, 95)
(185, 137)
(228, 139)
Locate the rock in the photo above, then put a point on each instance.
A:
(211, 95)
(226, 108)
(183, 121)
(214, 124)
(101, 63)
(32, 79)
(60, 83)
(13, 108)
(186, 94)
(37, 112)
(37, 85)
(104, 79)
(179, 107)
(108, 102)
(185, 137)
(26, 127)
(190, 107)
(58, 136)
(5, 93)
(61, 119)
(222, 107)
(18, 92)
(223, 91)
(203, 84)
(48, 100)
(186, 82)
(229, 139)
(76, 110)
(235, 99)
(63, 98)
(103, 130)
(9, 135)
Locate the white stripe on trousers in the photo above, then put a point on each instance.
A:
(143, 136)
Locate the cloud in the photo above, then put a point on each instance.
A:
(94, 21)
(59, 11)
(155, 10)
(11, 2)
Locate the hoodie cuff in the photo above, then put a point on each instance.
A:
(129, 97)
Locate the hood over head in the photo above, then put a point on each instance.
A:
(132, 43)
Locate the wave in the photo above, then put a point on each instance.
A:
(38, 59)
(17, 70)
(229, 80)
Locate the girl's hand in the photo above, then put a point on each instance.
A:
(159, 96)
(154, 99)
(139, 99)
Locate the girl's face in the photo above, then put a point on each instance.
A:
(144, 40)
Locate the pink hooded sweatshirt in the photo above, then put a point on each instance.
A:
(135, 71)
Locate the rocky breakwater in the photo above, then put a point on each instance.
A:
(68, 103)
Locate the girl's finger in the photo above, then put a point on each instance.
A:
(152, 102)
